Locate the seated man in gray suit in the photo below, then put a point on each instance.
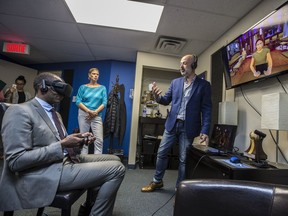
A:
(38, 157)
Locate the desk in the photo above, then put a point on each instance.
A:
(200, 165)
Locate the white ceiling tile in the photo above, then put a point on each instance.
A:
(115, 37)
(111, 53)
(38, 9)
(42, 28)
(233, 8)
(185, 24)
(54, 36)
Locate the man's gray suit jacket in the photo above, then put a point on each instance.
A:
(34, 156)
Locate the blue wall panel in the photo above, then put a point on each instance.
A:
(108, 73)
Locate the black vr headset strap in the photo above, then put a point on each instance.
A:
(44, 87)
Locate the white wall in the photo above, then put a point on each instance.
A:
(10, 71)
(145, 60)
(249, 120)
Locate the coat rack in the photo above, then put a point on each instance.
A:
(115, 118)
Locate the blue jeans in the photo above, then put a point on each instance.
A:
(97, 129)
(178, 134)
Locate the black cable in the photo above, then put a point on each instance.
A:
(270, 130)
(197, 165)
(281, 152)
(235, 150)
(246, 99)
(250, 104)
(175, 193)
(281, 84)
(163, 204)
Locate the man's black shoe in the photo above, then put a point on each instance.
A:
(84, 210)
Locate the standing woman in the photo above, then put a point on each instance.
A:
(16, 94)
(91, 100)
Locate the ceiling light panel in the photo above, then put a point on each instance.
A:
(117, 13)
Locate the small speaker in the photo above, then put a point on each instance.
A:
(228, 113)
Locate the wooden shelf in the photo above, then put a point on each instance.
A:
(149, 137)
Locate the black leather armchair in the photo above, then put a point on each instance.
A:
(230, 197)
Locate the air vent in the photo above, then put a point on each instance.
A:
(170, 45)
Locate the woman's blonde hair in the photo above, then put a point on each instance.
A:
(93, 69)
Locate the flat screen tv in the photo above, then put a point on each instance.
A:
(259, 53)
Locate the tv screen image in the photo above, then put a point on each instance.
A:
(259, 53)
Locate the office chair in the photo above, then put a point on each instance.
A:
(63, 200)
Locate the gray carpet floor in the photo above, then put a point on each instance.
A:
(130, 200)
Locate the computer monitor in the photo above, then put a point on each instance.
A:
(223, 137)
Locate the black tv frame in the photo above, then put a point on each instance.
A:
(279, 69)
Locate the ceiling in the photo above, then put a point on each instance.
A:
(186, 26)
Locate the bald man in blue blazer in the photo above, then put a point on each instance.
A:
(189, 117)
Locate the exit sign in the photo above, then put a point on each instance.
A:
(16, 48)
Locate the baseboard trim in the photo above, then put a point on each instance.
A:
(131, 166)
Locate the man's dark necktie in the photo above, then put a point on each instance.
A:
(57, 123)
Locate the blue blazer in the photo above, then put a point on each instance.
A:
(198, 109)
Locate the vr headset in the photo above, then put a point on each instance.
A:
(61, 88)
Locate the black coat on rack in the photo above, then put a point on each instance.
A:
(115, 117)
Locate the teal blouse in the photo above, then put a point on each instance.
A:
(92, 98)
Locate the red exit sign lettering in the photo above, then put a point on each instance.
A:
(16, 48)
